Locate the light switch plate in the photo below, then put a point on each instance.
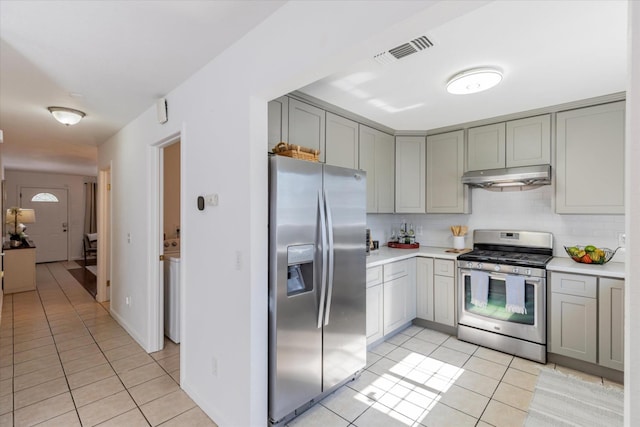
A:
(211, 199)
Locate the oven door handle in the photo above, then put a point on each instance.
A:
(504, 275)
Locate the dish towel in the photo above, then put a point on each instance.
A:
(515, 295)
(479, 288)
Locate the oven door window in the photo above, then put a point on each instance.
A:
(497, 301)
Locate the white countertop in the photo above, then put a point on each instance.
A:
(567, 265)
(385, 254)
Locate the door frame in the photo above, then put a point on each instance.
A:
(155, 248)
(104, 228)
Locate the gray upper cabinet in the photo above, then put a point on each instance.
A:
(523, 142)
(341, 142)
(445, 166)
(410, 174)
(529, 141)
(590, 160)
(486, 147)
(376, 157)
(278, 116)
(307, 126)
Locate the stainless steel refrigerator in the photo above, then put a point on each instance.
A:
(317, 250)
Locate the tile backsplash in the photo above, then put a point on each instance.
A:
(520, 210)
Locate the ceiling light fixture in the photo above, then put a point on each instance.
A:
(66, 116)
(474, 80)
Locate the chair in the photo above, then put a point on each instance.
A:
(90, 245)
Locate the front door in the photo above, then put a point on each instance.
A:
(49, 232)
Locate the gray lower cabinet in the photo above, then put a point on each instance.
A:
(391, 298)
(587, 318)
(590, 160)
(611, 323)
(436, 290)
(444, 292)
(375, 309)
(424, 288)
(399, 288)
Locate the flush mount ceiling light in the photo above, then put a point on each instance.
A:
(474, 80)
(66, 116)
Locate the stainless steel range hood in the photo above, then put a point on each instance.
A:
(524, 176)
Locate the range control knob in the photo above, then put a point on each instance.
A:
(480, 266)
(528, 272)
(516, 270)
(496, 268)
(469, 264)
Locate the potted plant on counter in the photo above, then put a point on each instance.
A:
(15, 219)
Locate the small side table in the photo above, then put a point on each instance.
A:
(19, 268)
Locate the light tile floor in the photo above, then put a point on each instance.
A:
(421, 377)
(64, 361)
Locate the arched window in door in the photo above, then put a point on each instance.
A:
(45, 197)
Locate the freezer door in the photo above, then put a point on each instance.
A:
(344, 350)
(295, 341)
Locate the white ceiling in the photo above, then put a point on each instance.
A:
(551, 52)
(113, 59)
(110, 59)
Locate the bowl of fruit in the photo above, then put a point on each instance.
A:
(590, 254)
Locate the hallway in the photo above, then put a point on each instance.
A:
(64, 361)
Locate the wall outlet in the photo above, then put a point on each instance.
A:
(238, 260)
(127, 300)
(419, 230)
(128, 237)
(622, 239)
(214, 366)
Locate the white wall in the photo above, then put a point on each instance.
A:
(519, 210)
(75, 186)
(222, 114)
(632, 285)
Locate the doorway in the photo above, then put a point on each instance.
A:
(157, 179)
(50, 231)
(170, 188)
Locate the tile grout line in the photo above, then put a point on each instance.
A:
(114, 370)
(105, 357)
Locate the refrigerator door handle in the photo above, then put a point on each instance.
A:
(323, 233)
(330, 268)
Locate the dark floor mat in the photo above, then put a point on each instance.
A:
(86, 278)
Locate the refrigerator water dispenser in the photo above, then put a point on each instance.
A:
(300, 269)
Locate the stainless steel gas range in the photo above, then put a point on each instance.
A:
(502, 292)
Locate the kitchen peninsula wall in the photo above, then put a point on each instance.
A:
(520, 210)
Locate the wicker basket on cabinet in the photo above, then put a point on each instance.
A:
(296, 151)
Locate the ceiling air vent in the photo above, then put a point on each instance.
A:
(406, 49)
